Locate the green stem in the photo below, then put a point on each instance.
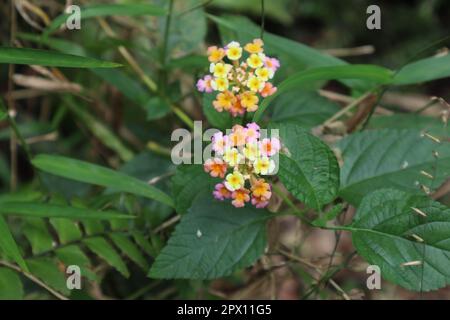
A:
(263, 18)
(15, 128)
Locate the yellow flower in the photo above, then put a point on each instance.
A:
(215, 54)
(234, 181)
(219, 84)
(232, 157)
(261, 189)
(264, 74)
(224, 100)
(234, 51)
(255, 84)
(251, 151)
(264, 166)
(255, 60)
(255, 46)
(249, 100)
(220, 70)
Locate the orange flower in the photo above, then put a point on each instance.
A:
(216, 167)
(261, 189)
(224, 100)
(240, 197)
(215, 54)
(268, 90)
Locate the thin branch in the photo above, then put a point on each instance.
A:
(34, 279)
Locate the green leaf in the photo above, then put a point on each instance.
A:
(383, 229)
(410, 121)
(423, 70)
(328, 216)
(36, 232)
(188, 182)
(10, 285)
(50, 59)
(129, 248)
(73, 255)
(279, 10)
(102, 10)
(219, 120)
(67, 230)
(103, 249)
(94, 174)
(43, 210)
(100, 130)
(303, 107)
(310, 171)
(47, 270)
(9, 245)
(375, 74)
(187, 31)
(378, 159)
(212, 240)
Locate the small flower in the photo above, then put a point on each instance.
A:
(270, 146)
(240, 197)
(251, 151)
(264, 74)
(220, 84)
(230, 73)
(216, 167)
(249, 100)
(255, 61)
(255, 46)
(237, 109)
(232, 157)
(268, 90)
(220, 70)
(204, 85)
(261, 189)
(221, 192)
(220, 143)
(237, 136)
(264, 166)
(252, 132)
(234, 51)
(234, 181)
(255, 84)
(272, 63)
(215, 54)
(260, 202)
(224, 100)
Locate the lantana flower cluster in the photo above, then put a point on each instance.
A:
(241, 76)
(241, 158)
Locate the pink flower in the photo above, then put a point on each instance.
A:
(204, 85)
(221, 192)
(269, 147)
(272, 63)
(260, 202)
(252, 132)
(240, 197)
(268, 90)
(220, 142)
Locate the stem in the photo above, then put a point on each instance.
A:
(350, 106)
(34, 279)
(16, 131)
(11, 103)
(297, 211)
(263, 19)
(166, 34)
